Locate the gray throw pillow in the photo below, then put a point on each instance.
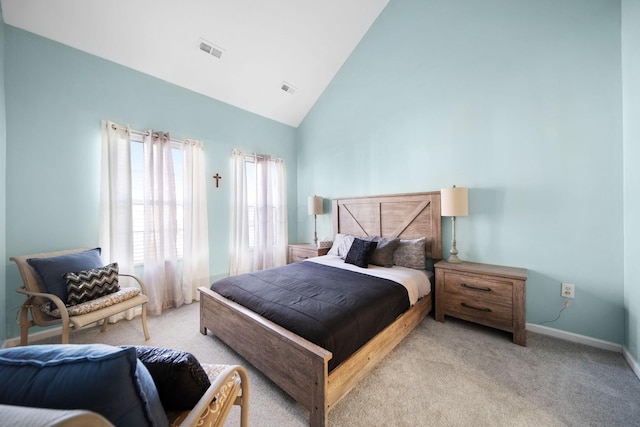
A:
(411, 253)
(383, 255)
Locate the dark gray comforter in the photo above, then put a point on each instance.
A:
(337, 309)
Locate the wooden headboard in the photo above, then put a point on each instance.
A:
(408, 216)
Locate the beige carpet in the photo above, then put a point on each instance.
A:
(444, 374)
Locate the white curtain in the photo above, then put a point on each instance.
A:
(160, 225)
(116, 218)
(160, 258)
(241, 252)
(195, 268)
(271, 213)
(260, 240)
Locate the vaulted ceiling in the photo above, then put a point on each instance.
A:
(264, 44)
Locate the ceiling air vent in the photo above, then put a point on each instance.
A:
(210, 48)
(288, 88)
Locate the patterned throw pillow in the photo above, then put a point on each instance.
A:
(93, 305)
(341, 245)
(411, 253)
(91, 284)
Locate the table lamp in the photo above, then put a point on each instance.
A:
(454, 202)
(315, 208)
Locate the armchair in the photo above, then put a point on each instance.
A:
(83, 314)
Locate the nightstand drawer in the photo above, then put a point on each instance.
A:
(298, 255)
(302, 251)
(479, 310)
(482, 288)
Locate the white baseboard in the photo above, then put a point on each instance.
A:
(36, 336)
(593, 342)
(570, 336)
(635, 367)
(57, 331)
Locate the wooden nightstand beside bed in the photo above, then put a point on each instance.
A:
(301, 251)
(490, 295)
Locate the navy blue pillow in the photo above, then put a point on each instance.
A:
(100, 378)
(360, 253)
(180, 379)
(52, 270)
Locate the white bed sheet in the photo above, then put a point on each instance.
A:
(417, 282)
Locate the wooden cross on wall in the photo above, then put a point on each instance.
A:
(217, 177)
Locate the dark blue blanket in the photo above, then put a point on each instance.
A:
(339, 310)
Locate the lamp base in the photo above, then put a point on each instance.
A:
(453, 259)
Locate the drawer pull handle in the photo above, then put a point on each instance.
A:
(486, 310)
(477, 288)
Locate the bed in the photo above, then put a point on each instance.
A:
(297, 365)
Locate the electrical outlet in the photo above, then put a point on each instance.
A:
(568, 290)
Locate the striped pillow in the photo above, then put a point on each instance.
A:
(88, 285)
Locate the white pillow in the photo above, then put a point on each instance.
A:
(341, 245)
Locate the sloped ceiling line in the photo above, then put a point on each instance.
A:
(304, 42)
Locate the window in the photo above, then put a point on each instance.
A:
(259, 212)
(137, 195)
(252, 190)
(148, 206)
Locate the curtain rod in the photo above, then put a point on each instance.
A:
(254, 155)
(146, 133)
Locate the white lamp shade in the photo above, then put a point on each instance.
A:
(454, 201)
(315, 205)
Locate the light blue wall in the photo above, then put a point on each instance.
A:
(631, 113)
(56, 97)
(3, 162)
(518, 100)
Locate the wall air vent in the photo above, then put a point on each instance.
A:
(210, 48)
(288, 88)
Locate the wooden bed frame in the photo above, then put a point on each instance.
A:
(300, 367)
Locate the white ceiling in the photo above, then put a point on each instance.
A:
(265, 42)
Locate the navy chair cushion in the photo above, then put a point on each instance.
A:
(100, 378)
(52, 270)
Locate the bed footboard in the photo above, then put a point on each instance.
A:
(296, 365)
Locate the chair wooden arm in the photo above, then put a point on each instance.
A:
(225, 391)
(143, 288)
(64, 315)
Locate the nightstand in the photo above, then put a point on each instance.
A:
(490, 295)
(302, 251)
